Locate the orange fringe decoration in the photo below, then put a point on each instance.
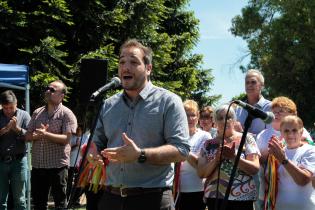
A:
(93, 175)
(271, 178)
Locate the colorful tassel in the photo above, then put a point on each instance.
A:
(271, 178)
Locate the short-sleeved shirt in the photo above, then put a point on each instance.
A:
(257, 124)
(75, 158)
(292, 196)
(12, 143)
(263, 139)
(45, 153)
(156, 118)
(189, 179)
(243, 188)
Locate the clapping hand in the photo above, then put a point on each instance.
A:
(129, 152)
(276, 148)
(229, 151)
(4, 130)
(12, 125)
(40, 133)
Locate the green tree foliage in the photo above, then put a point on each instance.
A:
(53, 36)
(241, 96)
(280, 36)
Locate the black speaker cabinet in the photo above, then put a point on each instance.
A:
(93, 75)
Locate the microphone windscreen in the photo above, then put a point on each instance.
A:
(116, 81)
(270, 117)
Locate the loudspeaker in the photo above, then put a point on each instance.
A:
(93, 75)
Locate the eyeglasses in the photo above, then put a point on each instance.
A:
(281, 111)
(205, 117)
(51, 89)
(294, 130)
(253, 82)
(222, 118)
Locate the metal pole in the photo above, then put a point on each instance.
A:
(29, 147)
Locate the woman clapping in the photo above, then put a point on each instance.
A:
(297, 166)
(243, 191)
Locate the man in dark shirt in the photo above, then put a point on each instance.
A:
(13, 160)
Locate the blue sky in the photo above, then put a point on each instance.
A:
(221, 50)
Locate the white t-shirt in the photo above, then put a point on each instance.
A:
(262, 140)
(290, 195)
(189, 179)
(75, 150)
(306, 134)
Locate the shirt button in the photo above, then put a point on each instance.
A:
(129, 123)
(121, 169)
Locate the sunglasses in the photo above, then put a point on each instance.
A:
(222, 118)
(52, 90)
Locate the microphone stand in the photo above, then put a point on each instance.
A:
(81, 167)
(247, 124)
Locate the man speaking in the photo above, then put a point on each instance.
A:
(141, 132)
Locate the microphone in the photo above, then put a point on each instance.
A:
(114, 83)
(267, 117)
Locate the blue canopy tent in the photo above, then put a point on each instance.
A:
(17, 77)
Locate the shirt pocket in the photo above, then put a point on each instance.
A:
(150, 120)
(55, 126)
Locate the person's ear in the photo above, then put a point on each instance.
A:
(148, 68)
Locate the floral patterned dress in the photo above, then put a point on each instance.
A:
(243, 188)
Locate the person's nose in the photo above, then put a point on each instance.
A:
(126, 67)
(290, 133)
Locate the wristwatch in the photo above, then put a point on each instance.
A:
(142, 158)
(285, 161)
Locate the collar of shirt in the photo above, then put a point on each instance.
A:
(261, 103)
(56, 108)
(143, 94)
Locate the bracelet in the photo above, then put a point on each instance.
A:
(285, 161)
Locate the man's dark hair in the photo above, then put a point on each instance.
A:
(8, 97)
(146, 50)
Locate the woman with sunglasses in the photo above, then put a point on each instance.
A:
(243, 192)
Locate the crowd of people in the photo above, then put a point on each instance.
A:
(139, 135)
